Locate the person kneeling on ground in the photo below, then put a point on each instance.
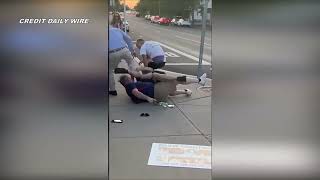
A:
(154, 87)
(152, 54)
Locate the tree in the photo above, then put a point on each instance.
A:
(117, 6)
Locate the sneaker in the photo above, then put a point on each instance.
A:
(120, 71)
(114, 93)
(203, 79)
(188, 92)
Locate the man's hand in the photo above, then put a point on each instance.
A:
(152, 100)
(140, 95)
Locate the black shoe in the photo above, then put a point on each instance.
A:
(159, 72)
(120, 71)
(114, 93)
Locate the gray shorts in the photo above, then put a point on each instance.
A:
(163, 89)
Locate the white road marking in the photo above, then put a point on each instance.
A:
(171, 54)
(184, 54)
(193, 41)
(184, 64)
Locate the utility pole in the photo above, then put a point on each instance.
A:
(124, 16)
(111, 4)
(159, 6)
(203, 33)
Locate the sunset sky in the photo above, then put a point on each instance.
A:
(130, 3)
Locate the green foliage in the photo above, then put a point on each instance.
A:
(119, 6)
(167, 8)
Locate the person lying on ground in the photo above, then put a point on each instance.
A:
(154, 87)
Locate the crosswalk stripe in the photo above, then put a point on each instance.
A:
(184, 54)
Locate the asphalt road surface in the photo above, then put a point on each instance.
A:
(181, 44)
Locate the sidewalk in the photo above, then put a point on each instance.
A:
(189, 122)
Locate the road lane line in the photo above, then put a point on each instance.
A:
(193, 40)
(184, 54)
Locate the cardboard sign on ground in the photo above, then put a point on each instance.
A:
(180, 155)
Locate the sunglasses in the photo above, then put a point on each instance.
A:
(144, 115)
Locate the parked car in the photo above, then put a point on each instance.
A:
(127, 24)
(164, 20)
(147, 17)
(154, 19)
(173, 22)
(183, 22)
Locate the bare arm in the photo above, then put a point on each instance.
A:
(144, 60)
(128, 40)
(143, 53)
(142, 96)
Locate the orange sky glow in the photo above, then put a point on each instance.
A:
(131, 3)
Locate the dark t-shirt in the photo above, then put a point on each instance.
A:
(147, 88)
(144, 80)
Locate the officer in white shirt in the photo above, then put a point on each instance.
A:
(152, 54)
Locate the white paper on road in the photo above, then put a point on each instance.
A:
(180, 155)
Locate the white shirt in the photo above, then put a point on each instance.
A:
(152, 49)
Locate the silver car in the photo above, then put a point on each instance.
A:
(183, 22)
(127, 26)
